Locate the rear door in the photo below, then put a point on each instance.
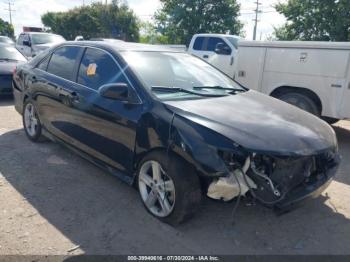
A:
(101, 127)
(53, 82)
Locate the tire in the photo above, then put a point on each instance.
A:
(330, 120)
(31, 122)
(170, 193)
(302, 101)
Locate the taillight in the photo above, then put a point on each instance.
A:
(14, 71)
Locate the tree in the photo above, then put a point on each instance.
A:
(179, 20)
(6, 29)
(96, 20)
(149, 34)
(318, 20)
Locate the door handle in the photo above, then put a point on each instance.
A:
(74, 97)
(205, 56)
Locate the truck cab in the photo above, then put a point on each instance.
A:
(31, 44)
(217, 49)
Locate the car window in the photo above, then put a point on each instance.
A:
(39, 39)
(20, 39)
(62, 62)
(213, 41)
(176, 69)
(233, 41)
(26, 37)
(11, 53)
(198, 43)
(43, 64)
(98, 68)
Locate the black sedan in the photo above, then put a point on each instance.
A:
(174, 126)
(10, 57)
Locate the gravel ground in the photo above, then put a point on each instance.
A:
(54, 202)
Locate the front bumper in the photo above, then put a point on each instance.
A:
(309, 190)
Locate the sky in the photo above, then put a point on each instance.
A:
(28, 13)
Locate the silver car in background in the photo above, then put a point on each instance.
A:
(31, 44)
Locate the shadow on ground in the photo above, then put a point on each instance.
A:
(105, 216)
(343, 136)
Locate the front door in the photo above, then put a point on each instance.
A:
(223, 61)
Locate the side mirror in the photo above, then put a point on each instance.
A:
(27, 43)
(222, 49)
(115, 91)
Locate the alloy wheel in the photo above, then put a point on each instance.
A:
(157, 189)
(30, 120)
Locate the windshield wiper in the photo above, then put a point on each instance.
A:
(219, 88)
(180, 89)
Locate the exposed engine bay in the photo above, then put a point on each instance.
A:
(270, 179)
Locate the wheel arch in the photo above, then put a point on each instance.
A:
(281, 90)
(139, 157)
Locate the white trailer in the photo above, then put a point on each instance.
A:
(314, 76)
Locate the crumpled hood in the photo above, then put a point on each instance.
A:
(260, 123)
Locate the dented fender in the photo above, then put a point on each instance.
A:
(201, 146)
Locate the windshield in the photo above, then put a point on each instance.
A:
(233, 41)
(11, 53)
(6, 40)
(38, 39)
(179, 71)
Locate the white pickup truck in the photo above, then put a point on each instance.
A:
(314, 76)
(217, 49)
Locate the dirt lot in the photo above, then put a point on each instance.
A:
(54, 202)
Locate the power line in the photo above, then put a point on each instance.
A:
(10, 10)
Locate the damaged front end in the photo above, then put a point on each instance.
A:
(278, 182)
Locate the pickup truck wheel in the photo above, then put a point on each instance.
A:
(301, 101)
(169, 190)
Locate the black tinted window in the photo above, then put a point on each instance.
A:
(63, 61)
(213, 41)
(98, 68)
(198, 43)
(43, 64)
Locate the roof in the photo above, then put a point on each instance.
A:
(125, 46)
(219, 35)
(38, 33)
(296, 44)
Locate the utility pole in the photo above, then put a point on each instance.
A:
(10, 10)
(257, 11)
